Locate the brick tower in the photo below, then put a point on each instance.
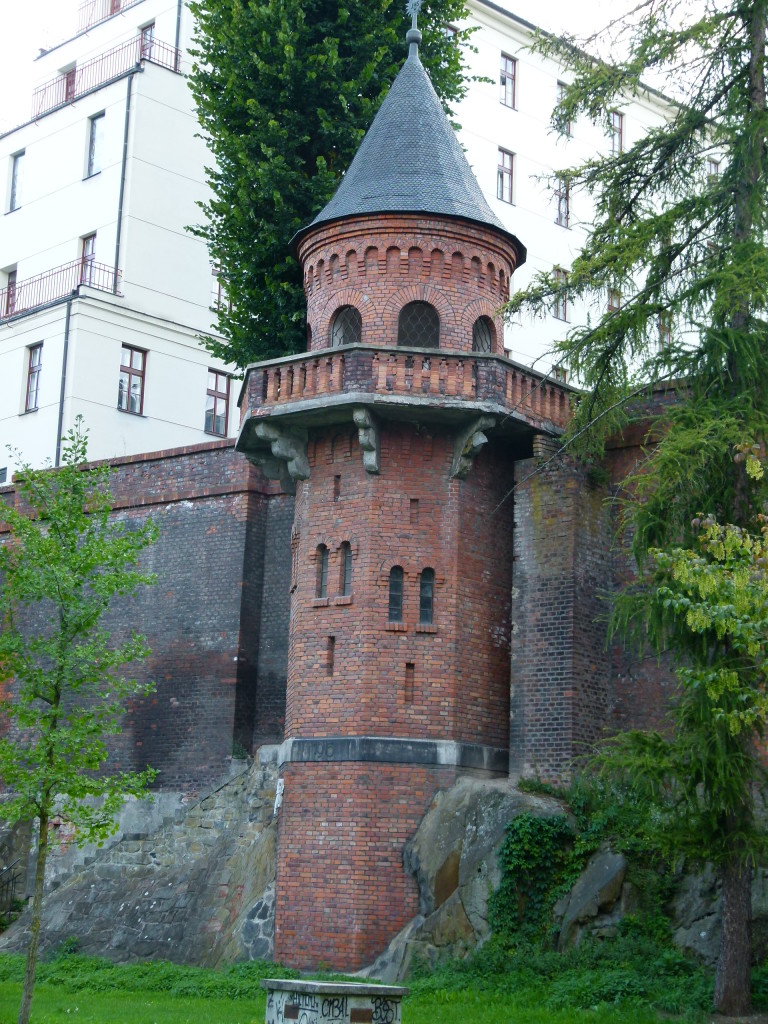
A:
(399, 429)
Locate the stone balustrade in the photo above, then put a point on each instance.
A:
(427, 376)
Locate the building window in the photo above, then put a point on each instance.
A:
(508, 81)
(410, 678)
(396, 593)
(70, 81)
(504, 179)
(10, 294)
(426, 596)
(34, 365)
(217, 403)
(561, 90)
(345, 581)
(418, 326)
(559, 373)
(560, 311)
(321, 567)
(713, 170)
(614, 299)
(95, 143)
(130, 392)
(665, 332)
(219, 297)
(3, 474)
(87, 259)
(563, 201)
(346, 327)
(147, 38)
(17, 164)
(482, 334)
(617, 132)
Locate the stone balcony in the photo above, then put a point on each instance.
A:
(474, 392)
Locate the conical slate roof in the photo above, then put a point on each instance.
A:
(410, 161)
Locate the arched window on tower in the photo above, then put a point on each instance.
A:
(346, 327)
(396, 593)
(321, 564)
(482, 335)
(419, 326)
(345, 570)
(426, 596)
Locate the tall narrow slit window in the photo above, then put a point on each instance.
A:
(419, 326)
(345, 570)
(396, 593)
(508, 81)
(95, 144)
(426, 596)
(614, 299)
(217, 403)
(321, 567)
(17, 165)
(34, 366)
(504, 179)
(130, 391)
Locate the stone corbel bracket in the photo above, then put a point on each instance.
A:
(286, 460)
(368, 435)
(468, 443)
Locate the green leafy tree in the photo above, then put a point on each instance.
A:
(285, 91)
(62, 562)
(679, 229)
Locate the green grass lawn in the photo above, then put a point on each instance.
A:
(629, 981)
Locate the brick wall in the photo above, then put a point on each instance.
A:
(342, 891)
(380, 263)
(203, 617)
(560, 669)
(446, 680)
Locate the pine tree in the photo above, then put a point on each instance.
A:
(285, 91)
(680, 229)
(62, 563)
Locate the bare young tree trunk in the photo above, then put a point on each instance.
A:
(732, 987)
(34, 928)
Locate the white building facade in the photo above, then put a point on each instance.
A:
(104, 293)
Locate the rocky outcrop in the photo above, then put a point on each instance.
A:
(597, 902)
(199, 889)
(454, 859)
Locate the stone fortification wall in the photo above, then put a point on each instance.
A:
(214, 620)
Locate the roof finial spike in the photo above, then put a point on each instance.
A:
(413, 36)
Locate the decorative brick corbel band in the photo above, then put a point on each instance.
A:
(368, 435)
(468, 443)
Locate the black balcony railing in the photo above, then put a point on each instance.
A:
(21, 296)
(67, 87)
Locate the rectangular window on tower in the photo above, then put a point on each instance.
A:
(34, 366)
(130, 391)
(560, 308)
(504, 179)
(217, 403)
(95, 144)
(561, 90)
(9, 302)
(617, 132)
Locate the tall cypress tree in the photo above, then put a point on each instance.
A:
(285, 91)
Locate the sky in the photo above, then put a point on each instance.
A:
(27, 26)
